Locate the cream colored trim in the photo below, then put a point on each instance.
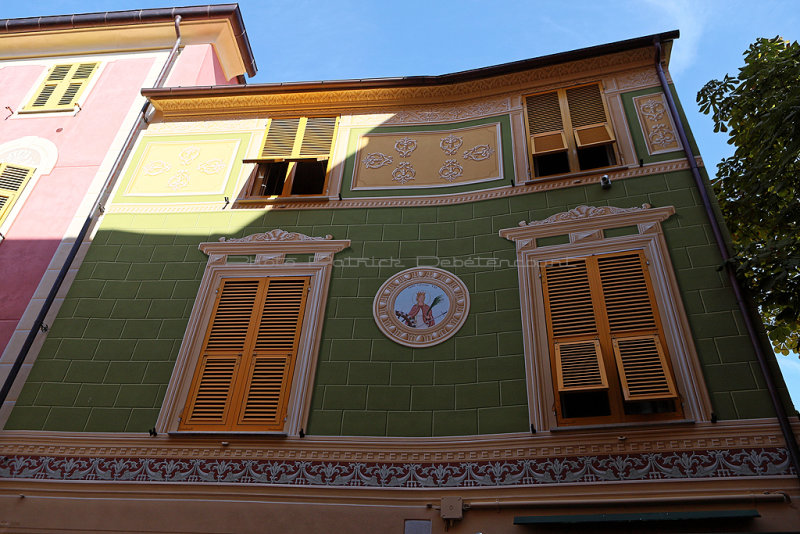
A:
(560, 182)
(270, 249)
(131, 38)
(657, 438)
(685, 363)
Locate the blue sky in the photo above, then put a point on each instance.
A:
(314, 40)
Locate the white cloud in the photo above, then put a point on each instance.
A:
(689, 16)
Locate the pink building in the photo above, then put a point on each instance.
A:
(71, 108)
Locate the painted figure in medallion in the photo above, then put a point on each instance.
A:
(420, 315)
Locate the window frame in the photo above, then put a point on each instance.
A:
(268, 252)
(61, 87)
(293, 160)
(568, 133)
(585, 226)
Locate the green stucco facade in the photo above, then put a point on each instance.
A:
(109, 355)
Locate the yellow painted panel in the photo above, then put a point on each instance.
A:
(174, 168)
(408, 160)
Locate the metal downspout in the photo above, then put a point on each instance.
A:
(780, 411)
(38, 323)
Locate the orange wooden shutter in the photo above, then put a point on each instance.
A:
(588, 116)
(318, 136)
(244, 374)
(274, 354)
(578, 360)
(629, 304)
(642, 363)
(545, 124)
(643, 367)
(280, 139)
(579, 366)
(212, 389)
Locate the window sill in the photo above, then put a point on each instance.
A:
(580, 174)
(281, 200)
(611, 426)
(277, 160)
(225, 434)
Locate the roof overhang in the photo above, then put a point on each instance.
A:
(377, 92)
(127, 31)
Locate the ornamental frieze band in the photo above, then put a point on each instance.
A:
(697, 464)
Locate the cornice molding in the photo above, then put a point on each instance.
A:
(345, 99)
(752, 433)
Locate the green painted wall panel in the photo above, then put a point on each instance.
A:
(109, 354)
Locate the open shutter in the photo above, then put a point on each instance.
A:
(318, 136)
(280, 139)
(12, 181)
(590, 123)
(274, 354)
(212, 391)
(545, 124)
(644, 372)
(62, 87)
(642, 363)
(578, 361)
(579, 366)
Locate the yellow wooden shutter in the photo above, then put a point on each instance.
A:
(577, 356)
(545, 124)
(642, 363)
(318, 136)
(280, 140)
(12, 181)
(62, 87)
(274, 353)
(590, 123)
(212, 390)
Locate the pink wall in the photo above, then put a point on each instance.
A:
(198, 65)
(83, 141)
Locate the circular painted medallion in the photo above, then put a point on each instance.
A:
(421, 306)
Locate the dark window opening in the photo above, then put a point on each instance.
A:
(309, 177)
(270, 177)
(585, 404)
(649, 407)
(549, 164)
(594, 157)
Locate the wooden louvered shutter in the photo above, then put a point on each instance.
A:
(545, 123)
(590, 122)
(244, 375)
(632, 318)
(280, 140)
(62, 87)
(578, 362)
(318, 136)
(212, 392)
(12, 181)
(274, 354)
